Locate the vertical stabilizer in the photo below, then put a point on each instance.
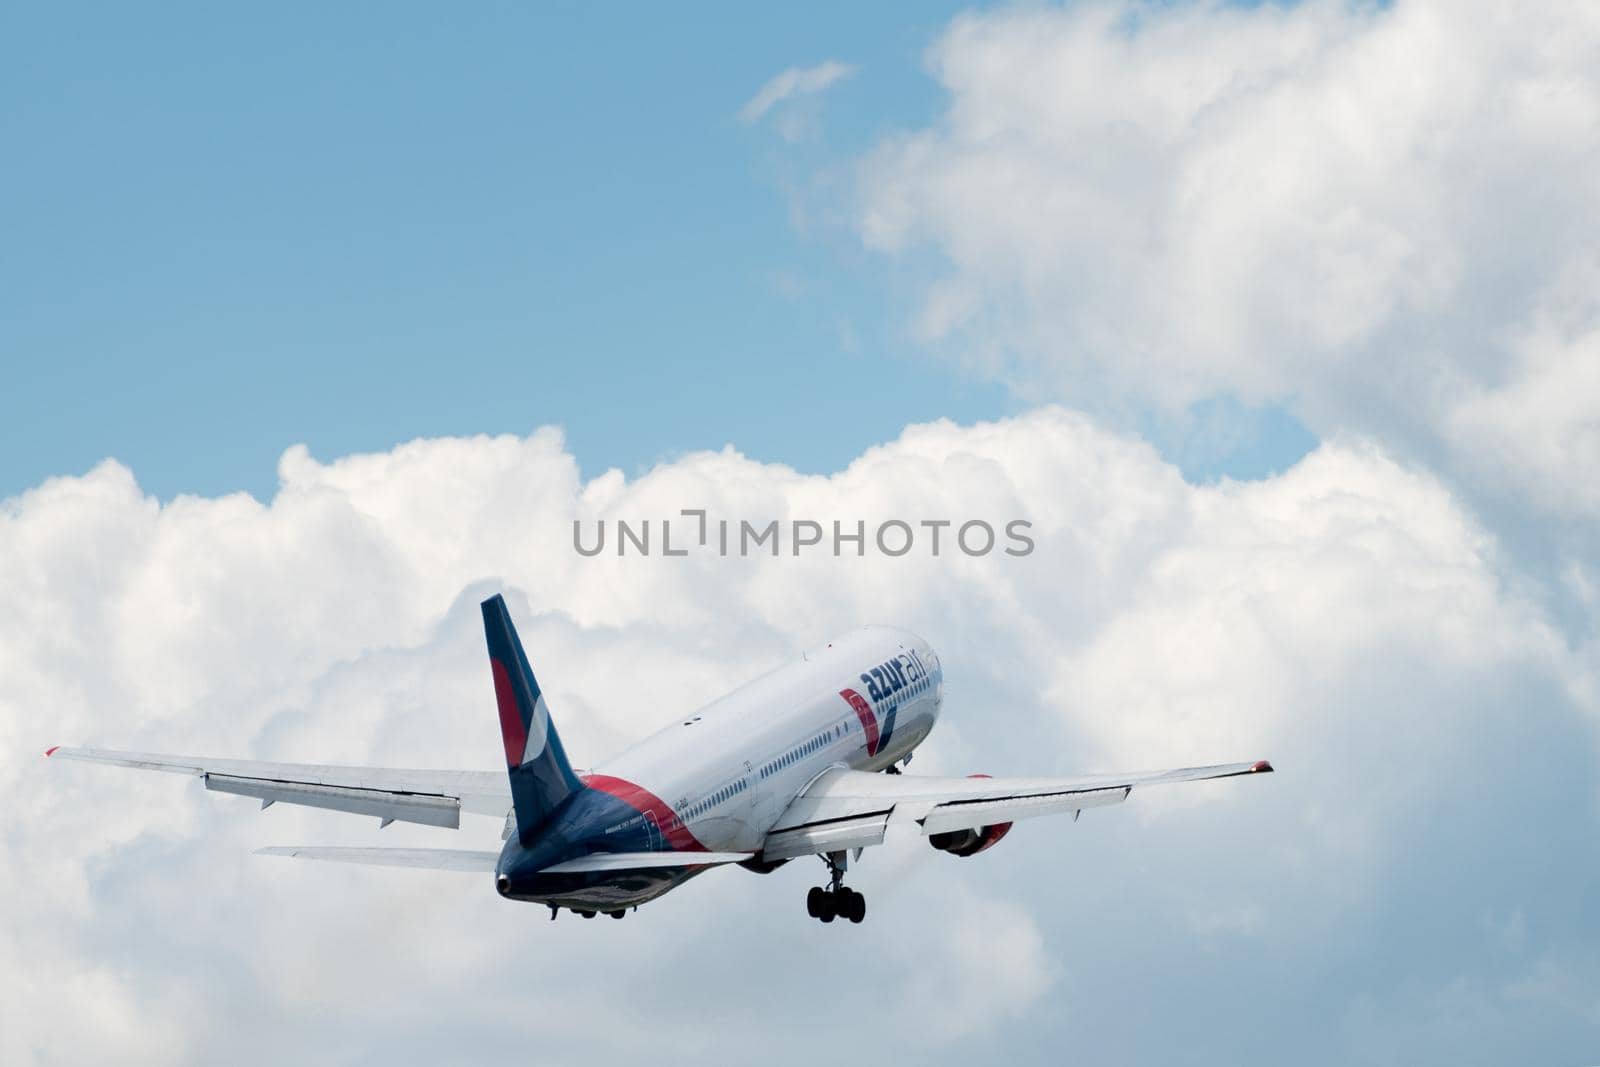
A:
(541, 777)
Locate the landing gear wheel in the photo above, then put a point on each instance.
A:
(618, 915)
(836, 903)
(815, 902)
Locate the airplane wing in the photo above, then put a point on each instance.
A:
(451, 859)
(437, 859)
(432, 798)
(843, 809)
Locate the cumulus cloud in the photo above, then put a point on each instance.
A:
(1348, 618)
(1381, 215)
(792, 84)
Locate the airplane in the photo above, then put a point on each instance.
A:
(804, 761)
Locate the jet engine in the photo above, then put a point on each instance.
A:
(969, 842)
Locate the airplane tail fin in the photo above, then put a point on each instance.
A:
(541, 777)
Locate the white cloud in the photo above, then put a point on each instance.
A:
(1382, 215)
(792, 84)
(1347, 618)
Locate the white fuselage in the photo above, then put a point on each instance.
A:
(862, 701)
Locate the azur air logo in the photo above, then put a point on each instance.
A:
(883, 682)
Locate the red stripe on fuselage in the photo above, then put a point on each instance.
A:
(869, 721)
(672, 828)
(512, 732)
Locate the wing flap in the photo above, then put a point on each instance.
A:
(973, 814)
(833, 836)
(436, 859)
(429, 797)
(631, 861)
(402, 807)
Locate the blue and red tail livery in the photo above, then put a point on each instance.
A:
(541, 777)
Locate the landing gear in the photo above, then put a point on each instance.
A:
(837, 901)
(841, 903)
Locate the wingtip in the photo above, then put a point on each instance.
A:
(51, 751)
(1261, 767)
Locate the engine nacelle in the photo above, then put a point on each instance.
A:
(969, 842)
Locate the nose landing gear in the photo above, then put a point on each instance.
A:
(837, 901)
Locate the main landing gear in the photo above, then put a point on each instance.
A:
(586, 913)
(837, 900)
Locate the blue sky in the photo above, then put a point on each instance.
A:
(228, 233)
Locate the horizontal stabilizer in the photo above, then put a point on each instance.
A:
(632, 861)
(437, 859)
